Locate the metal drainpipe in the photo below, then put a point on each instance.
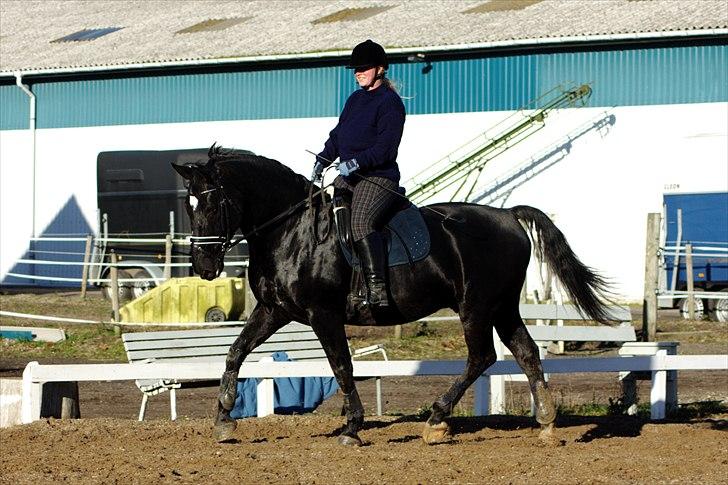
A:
(26, 90)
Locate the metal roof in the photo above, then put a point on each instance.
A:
(273, 29)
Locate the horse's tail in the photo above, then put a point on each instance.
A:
(588, 290)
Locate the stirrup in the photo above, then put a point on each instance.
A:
(382, 300)
(360, 302)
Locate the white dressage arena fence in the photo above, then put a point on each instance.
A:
(36, 374)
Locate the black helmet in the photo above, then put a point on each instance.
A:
(368, 54)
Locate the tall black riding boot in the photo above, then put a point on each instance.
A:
(372, 255)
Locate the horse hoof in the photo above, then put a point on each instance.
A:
(548, 437)
(227, 402)
(436, 433)
(347, 440)
(224, 431)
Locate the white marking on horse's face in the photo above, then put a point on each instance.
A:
(193, 202)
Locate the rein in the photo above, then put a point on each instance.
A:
(445, 217)
(227, 242)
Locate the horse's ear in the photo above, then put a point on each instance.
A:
(212, 155)
(185, 171)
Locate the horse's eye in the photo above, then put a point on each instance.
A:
(193, 202)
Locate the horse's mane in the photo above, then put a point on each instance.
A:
(265, 170)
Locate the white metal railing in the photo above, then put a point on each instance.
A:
(704, 295)
(696, 252)
(686, 252)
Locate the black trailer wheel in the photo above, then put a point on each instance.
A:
(129, 290)
(215, 314)
(125, 290)
(145, 284)
(699, 309)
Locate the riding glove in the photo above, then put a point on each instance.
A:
(347, 167)
(318, 170)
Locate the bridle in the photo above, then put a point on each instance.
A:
(226, 240)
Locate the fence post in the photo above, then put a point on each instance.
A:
(689, 277)
(114, 287)
(266, 394)
(86, 260)
(168, 257)
(649, 303)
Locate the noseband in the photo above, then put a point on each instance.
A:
(225, 240)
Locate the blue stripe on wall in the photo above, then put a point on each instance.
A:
(648, 76)
(14, 108)
(187, 98)
(493, 84)
(644, 77)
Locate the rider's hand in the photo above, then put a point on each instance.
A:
(347, 167)
(318, 170)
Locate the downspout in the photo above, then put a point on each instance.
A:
(26, 90)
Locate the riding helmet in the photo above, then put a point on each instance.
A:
(368, 54)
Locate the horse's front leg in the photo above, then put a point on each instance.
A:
(330, 331)
(262, 324)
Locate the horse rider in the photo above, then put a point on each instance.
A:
(365, 141)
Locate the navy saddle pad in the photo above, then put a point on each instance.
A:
(408, 239)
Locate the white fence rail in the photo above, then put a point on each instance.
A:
(85, 263)
(35, 374)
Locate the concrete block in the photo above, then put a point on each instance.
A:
(11, 396)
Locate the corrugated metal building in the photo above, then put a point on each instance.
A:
(625, 74)
(278, 104)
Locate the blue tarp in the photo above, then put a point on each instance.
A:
(293, 395)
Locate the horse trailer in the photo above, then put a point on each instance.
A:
(701, 220)
(141, 201)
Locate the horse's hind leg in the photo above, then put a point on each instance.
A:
(262, 324)
(481, 355)
(514, 335)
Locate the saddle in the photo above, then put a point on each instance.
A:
(406, 234)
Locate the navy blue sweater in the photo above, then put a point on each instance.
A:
(369, 129)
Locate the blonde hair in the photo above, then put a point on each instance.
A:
(390, 84)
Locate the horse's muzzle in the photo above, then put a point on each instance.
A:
(208, 275)
(208, 268)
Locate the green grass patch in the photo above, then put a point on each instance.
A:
(58, 304)
(585, 409)
(89, 342)
(696, 410)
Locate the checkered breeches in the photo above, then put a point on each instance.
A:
(370, 204)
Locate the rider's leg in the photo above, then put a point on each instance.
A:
(372, 256)
(371, 203)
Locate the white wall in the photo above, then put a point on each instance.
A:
(599, 194)
(15, 196)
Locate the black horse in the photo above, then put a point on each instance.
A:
(476, 267)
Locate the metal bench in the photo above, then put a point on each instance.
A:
(211, 345)
(622, 334)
